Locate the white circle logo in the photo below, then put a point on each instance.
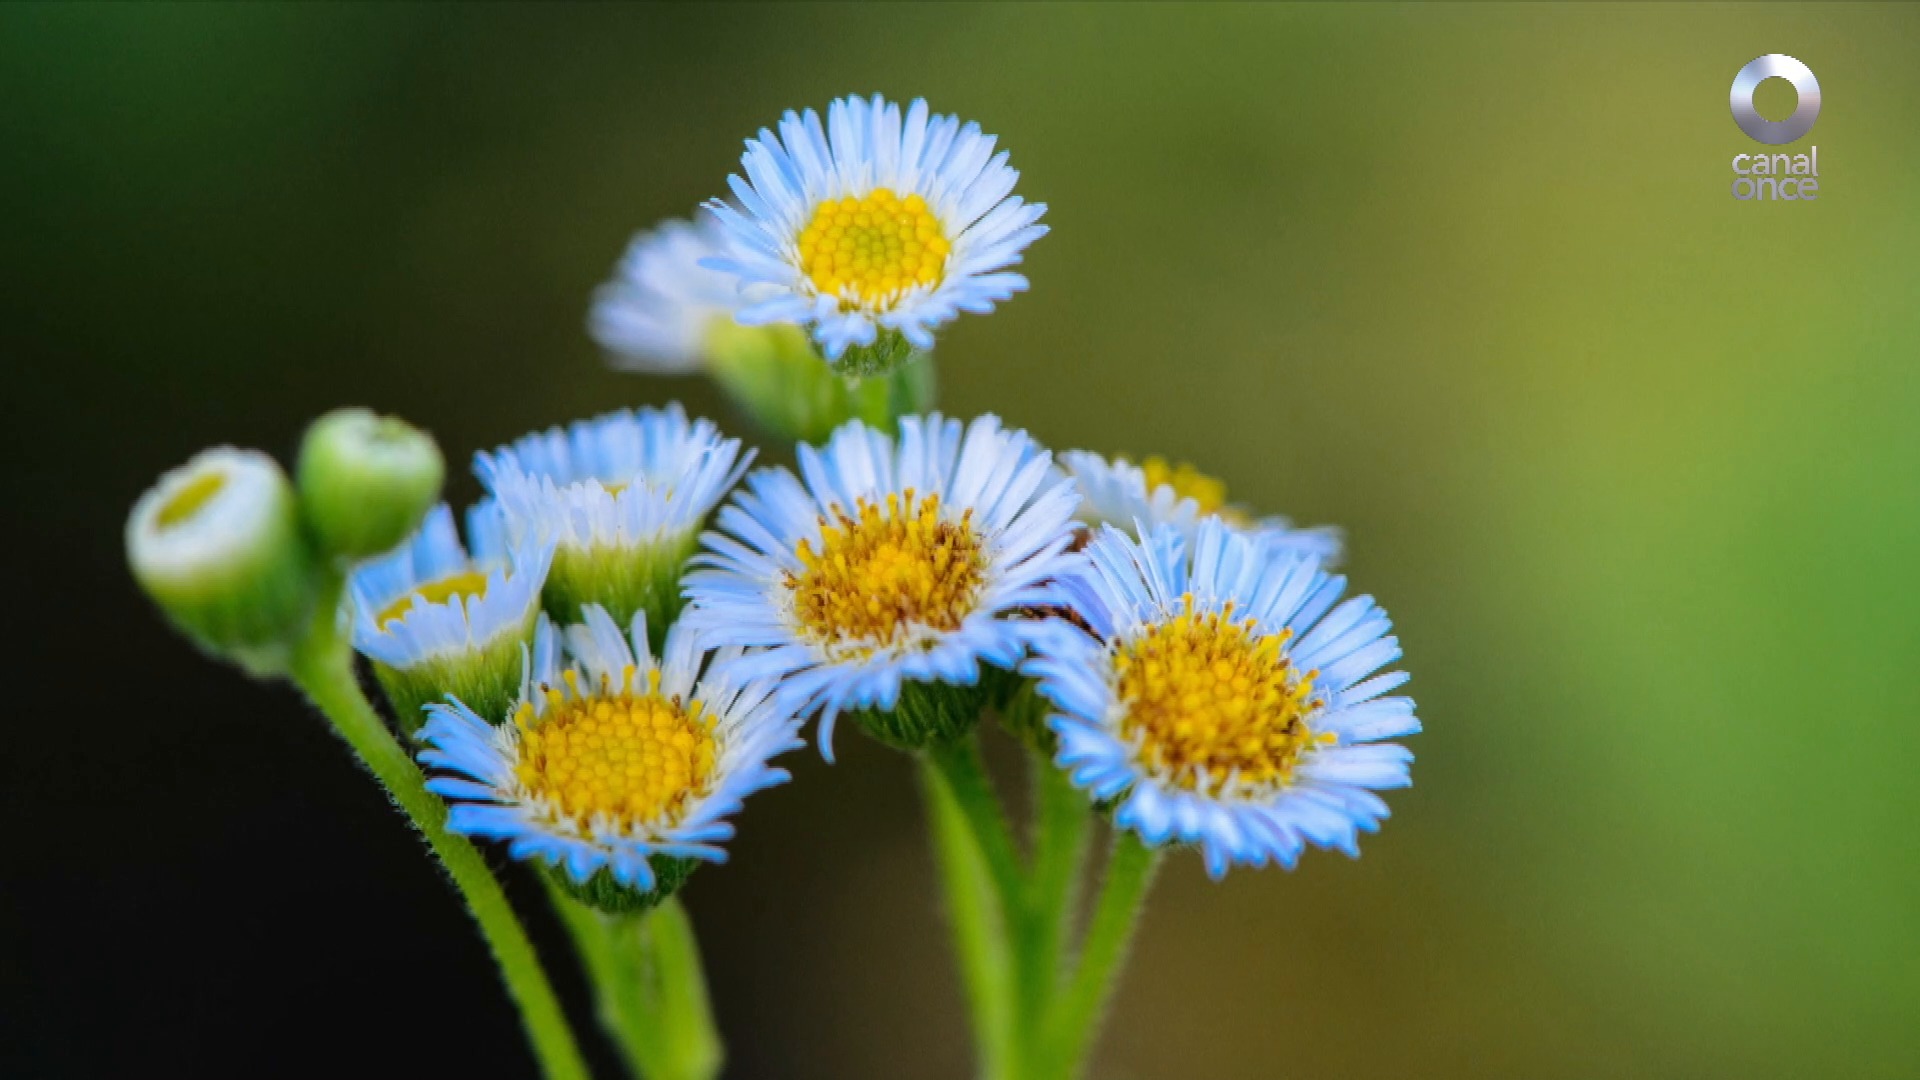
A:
(1775, 132)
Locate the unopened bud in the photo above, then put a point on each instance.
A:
(218, 545)
(366, 481)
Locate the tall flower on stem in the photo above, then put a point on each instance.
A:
(615, 775)
(1221, 695)
(875, 228)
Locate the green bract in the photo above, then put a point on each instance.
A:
(622, 580)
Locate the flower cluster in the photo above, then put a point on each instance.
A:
(636, 625)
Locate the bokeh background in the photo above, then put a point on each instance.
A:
(1635, 466)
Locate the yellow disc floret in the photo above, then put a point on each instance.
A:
(1187, 482)
(869, 250)
(1214, 705)
(470, 583)
(625, 754)
(188, 501)
(886, 572)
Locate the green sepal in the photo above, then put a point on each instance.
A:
(604, 894)
(623, 581)
(889, 352)
(928, 713)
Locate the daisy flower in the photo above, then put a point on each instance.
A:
(877, 224)
(1223, 699)
(436, 620)
(623, 498)
(615, 761)
(893, 565)
(1120, 493)
(658, 312)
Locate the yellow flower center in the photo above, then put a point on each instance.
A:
(1213, 705)
(465, 583)
(1187, 482)
(626, 753)
(887, 571)
(188, 500)
(870, 249)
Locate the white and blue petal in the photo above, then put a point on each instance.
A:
(656, 312)
(864, 145)
(477, 764)
(999, 482)
(1126, 584)
(1115, 491)
(627, 478)
(425, 630)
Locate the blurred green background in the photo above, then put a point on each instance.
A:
(1634, 465)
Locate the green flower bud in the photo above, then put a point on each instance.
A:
(776, 377)
(366, 481)
(218, 545)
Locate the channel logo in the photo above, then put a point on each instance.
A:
(1783, 177)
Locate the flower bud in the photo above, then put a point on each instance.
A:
(366, 481)
(217, 543)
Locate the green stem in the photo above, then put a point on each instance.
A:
(685, 1015)
(979, 925)
(652, 994)
(1075, 1018)
(322, 667)
(1062, 820)
(965, 772)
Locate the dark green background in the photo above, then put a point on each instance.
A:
(1634, 465)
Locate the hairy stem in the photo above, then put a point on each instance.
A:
(1063, 817)
(322, 667)
(977, 908)
(649, 986)
(965, 773)
(1073, 1022)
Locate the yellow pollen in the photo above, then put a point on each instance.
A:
(1213, 704)
(887, 570)
(870, 249)
(1188, 482)
(465, 583)
(188, 500)
(627, 753)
